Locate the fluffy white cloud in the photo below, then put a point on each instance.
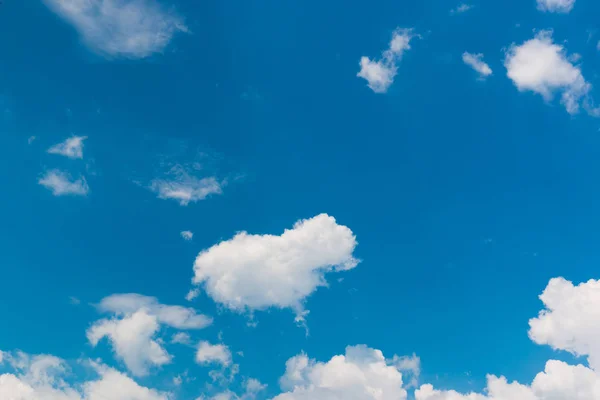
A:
(541, 66)
(72, 147)
(476, 62)
(571, 320)
(61, 184)
(558, 6)
(175, 316)
(213, 353)
(133, 331)
(42, 378)
(120, 28)
(255, 272)
(132, 339)
(187, 235)
(380, 74)
(361, 374)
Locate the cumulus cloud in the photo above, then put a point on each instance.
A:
(213, 353)
(133, 331)
(255, 272)
(543, 67)
(571, 320)
(361, 374)
(71, 148)
(476, 62)
(120, 28)
(557, 6)
(42, 377)
(62, 184)
(185, 188)
(187, 235)
(132, 339)
(380, 74)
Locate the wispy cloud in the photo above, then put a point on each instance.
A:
(182, 186)
(119, 28)
(557, 6)
(380, 74)
(187, 235)
(461, 8)
(476, 62)
(72, 147)
(61, 184)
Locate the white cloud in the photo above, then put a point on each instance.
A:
(541, 66)
(186, 188)
(380, 74)
(187, 235)
(571, 320)
(61, 184)
(175, 316)
(410, 365)
(213, 353)
(255, 272)
(41, 377)
(71, 148)
(557, 6)
(361, 374)
(132, 341)
(120, 28)
(461, 8)
(192, 294)
(476, 62)
(181, 338)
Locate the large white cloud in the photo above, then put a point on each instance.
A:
(62, 184)
(120, 28)
(380, 74)
(72, 147)
(43, 377)
(571, 320)
(542, 66)
(255, 272)
(558, 6)
(133, 332)
(361, 374)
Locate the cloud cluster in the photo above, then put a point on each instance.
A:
(361, 374)
(476, 62)
(380, 74)
(43, 377)
(542, 66)
(133, 331)
(120, 28)
(255, 272)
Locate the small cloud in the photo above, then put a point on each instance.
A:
(30, 139)
(476, 62)
(213, 353)
(192, 294)
(183, 187)
(116, 28)
(556, 6)
(72, 147)
(61, 184)
(598, 45)
(177, 380)
(181, 338)
(187, 235)
(74, 300)
(461, 8)
(380, 74)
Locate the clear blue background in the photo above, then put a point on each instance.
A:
(465, 196)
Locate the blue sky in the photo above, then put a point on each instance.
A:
(299, 200)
